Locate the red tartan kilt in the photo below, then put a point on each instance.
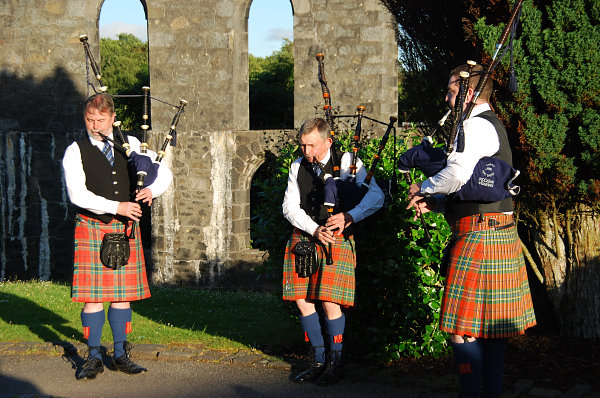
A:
(486, 292)
(95, 283)
(333, 283)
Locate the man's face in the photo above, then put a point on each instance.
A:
(452, 92)
(96, 121)
(313, 146)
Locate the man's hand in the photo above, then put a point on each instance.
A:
(421, 203)
(130, 210)
(145, 195)
(339, 222)
(414, 189)
(324, 235)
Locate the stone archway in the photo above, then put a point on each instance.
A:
(198, 52)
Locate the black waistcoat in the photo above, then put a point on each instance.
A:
(110, 182)
(311, 190)
(456, 208)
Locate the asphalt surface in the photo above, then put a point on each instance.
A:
(43, 370)
(46, 370)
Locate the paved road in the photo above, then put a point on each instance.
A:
(45, 375)
(48, 370)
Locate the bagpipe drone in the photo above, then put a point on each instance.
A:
(344, 195)
(492, 179)
(141, 163)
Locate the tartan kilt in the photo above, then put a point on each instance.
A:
(333, 283)
(95, 283)
(486, 292)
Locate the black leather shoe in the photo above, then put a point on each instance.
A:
(334, 370)
(91, 367)
(314, 370)
(125, 364)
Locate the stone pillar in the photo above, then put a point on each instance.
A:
(361, 54)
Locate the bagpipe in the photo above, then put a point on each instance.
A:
(341, 194)
(141, 163)
(493, 178)
(146, 168)
(344, 195)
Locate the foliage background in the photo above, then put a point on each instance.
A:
(124, 67)
(272, 89)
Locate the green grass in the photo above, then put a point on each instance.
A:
(43, 311)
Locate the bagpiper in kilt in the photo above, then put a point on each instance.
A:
(486, 292)
(308, 277)
(99, 182)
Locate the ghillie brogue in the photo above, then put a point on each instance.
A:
(312, 373)
(125, 364)
(92, 366)
(334, 369)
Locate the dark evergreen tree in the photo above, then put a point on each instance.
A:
(554, 118)
(434, 36)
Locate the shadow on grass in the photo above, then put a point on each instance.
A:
(253, 319)
(45, 324)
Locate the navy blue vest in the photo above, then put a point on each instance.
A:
(456, 208)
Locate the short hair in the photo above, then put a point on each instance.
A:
(102, 102)
(476, 74)
(315, 123)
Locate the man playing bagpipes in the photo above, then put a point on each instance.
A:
(99, 180)
(486, 296)
(320, 257)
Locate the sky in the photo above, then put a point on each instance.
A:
(270, 21)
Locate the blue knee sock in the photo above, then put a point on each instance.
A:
(119, 318)
(493, 365)
(92, 323)
(312, 332)
(335, 330)
(468, 358)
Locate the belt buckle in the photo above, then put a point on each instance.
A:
(492, 223)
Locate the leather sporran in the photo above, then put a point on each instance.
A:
(307, 262)
(114, 252)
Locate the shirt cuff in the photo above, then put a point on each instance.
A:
(427, 188)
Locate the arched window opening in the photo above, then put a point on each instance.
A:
(271, 65)
(124, 64)
(124, 57)
(269, 231)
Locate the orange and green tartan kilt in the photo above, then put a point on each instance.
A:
(95, 283)
(334, 283)
(486, 292)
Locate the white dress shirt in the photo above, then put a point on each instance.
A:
(75, 178)
(369, 204)
(481, 139)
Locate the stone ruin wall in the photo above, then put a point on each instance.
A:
(198, 51)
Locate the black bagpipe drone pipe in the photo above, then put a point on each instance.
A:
(145, 168)
(492, 179)
(348, 193)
